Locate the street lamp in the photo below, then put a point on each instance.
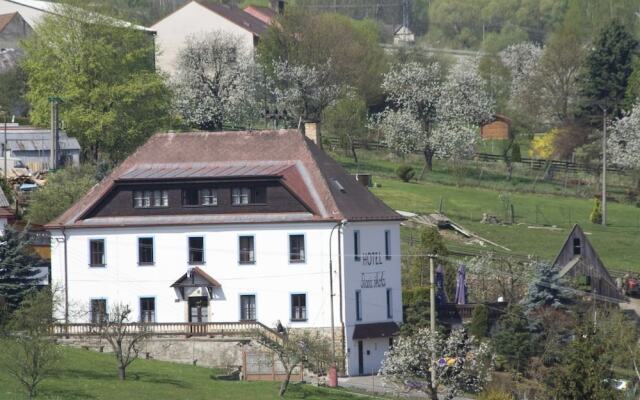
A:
(333, 334)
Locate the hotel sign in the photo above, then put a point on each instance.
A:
(372, 258)
(372, 280)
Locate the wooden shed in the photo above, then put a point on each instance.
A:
(499, 128)
(579, 262)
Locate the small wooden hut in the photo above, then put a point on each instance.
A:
(579, 262)
(498, 129)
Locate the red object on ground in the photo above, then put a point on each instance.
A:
(333, 377)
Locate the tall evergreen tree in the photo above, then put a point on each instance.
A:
(606, 72)
(513, 340)
(547, 290)
(17, 267)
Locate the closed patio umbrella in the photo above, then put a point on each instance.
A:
(461, 286)
(441, 296)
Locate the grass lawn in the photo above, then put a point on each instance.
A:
(617, 244)
(84, 374)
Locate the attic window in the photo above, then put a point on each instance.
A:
(338, 185)
(577, 248)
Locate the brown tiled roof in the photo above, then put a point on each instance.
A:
(264, 14)
(375, 330)
(328, 191)
(238, 17)
(5, 19)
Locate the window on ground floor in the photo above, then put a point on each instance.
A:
(299, 307)
(147, 309)
(98, 311)
(247, 307)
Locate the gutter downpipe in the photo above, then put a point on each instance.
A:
(66, 282)
(343, 339)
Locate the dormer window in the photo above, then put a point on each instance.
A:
(150, 198)
(248, 195)
(199, 197)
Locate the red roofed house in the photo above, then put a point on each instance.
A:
(250, 227)
(196, 19)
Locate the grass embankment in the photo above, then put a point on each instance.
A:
(618, 244)
(84, 374)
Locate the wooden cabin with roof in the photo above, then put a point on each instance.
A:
(579, 262)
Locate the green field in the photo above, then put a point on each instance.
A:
(84, 374)
(465, 199)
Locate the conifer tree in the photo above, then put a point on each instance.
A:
(17, 267)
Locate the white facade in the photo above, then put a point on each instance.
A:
(192, 20)
(272, 278)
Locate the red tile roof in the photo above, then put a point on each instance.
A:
(328, 191)
(264, 14)
(238, 17)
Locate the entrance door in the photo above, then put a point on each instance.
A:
(198, 309)
(360, 358)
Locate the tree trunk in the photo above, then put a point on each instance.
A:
(285, 383)
(122, 375)
(428, 161)
(353, 152)
(433, 393)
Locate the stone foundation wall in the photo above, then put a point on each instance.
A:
(206, 352)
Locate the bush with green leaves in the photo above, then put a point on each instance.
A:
(596, 213)
(479, 326)
(406, 173)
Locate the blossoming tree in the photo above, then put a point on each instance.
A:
(460, 365)
(624, 142)
(214, 84)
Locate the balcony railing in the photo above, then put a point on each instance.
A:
(189, 329)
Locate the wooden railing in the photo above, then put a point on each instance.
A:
(465, 311)
(188, 329)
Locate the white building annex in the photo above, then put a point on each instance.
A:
(236, 226)
(196, 19)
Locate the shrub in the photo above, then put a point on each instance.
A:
(480, 321)
(596, 213)
(405, 172)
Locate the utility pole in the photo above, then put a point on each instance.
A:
(604, 166)
(432, 316)
(4, 146)
(55, 134)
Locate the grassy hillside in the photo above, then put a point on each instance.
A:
(88, 375)
(465, 199)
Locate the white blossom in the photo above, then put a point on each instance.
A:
(214, 82)
(460, 365)
(624, 139)
(439, 118)
(304, 91)
(522, 60)
(464, 98)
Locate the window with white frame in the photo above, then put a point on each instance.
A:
(299, 307)
(247, 254)
(247, 307)
(147, 309)
(96, 253)
(150, 198)
(196, 250)
(98, 311)
(296, 249)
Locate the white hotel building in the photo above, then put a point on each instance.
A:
(236, 226)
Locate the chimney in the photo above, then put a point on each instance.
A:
(277, 6)
(312, 132)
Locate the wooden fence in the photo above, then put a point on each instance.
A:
(533, 163)
(204, 329)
